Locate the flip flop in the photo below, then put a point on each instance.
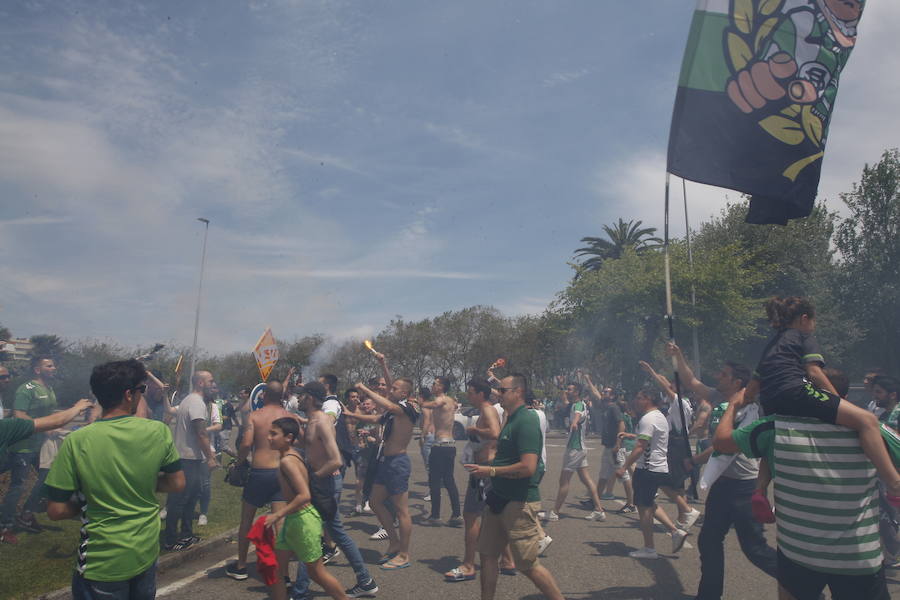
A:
(387, 557)
(508, 571)
(457, 575)
(389, 566)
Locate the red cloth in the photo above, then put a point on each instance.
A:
(264, 539)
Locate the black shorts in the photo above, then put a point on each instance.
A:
(646, 484)
(804, 401)
(262, 488)
(806, 584)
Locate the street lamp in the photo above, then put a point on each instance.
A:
(199, 295)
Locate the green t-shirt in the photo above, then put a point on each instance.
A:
(520, 435)
(113, 464)
(12, 431)
(576, 438)
(826, 504)
(36, 400)
(628, 443)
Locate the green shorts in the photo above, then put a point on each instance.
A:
(301, 533)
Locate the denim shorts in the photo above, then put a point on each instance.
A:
(393, 473)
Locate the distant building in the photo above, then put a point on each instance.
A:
(16, 349)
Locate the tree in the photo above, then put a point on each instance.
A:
(869, 277)
(621, 236)
(47, 345)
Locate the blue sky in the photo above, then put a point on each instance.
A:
(358, 160)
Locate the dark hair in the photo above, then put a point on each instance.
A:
(890, 384)
(331, 382)
(520, 381)
(409, 383)
(424, 393)
(317, 391)
(38, 359)
(287, 425)
(839, 380)
(740, 371)
(651, 394)
(578, 387)
(349, 391)
(373, 381)
(781, 312)
(110, 381)
(481, 386)
(444, 381)
(245, 390)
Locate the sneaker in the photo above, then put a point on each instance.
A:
(202, 520)
(678, 538)
(552, 516)
(607, 497)
(690, 519)
(396, 523)
(234, 572)
(367, 509)
(365, 590)
(8, 537)
(544, 544)
(596, 515)
(627, 509)
(381, 534)
(643, 553)
(542, 514)
(456, 521)
(427, 498)
(29, 524)
(357, 510)
(182, 544)
(328, 554)
(162, 514)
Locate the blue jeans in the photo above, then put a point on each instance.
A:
(205, 493)
(180, 506)
(727, 504)
(139, 587)
(336, 529)
(20, 465)
(427, 443)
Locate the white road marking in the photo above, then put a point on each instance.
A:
(177, 585)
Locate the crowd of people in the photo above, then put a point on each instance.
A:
(786, 425)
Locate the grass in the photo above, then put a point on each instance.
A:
(41, 563)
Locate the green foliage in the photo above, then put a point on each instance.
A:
(47, 345)
(621, 236)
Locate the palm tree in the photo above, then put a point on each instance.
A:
(620, 236)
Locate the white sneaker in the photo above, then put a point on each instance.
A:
(596, 515)
(542, 514)
(544, 544)
(381, 534)
(163, 513)
(427, 498)
(643, 553)
(367, 508)
(690, 519)
(202, 520)
(678, 537)
(552, 516)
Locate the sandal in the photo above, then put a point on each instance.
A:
(508, 571)
(386, 558)
(392, 566)
(458, 575)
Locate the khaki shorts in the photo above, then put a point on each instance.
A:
(516, 525)
(574, 460)
(612, 460)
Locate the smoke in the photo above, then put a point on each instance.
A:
(320, 357)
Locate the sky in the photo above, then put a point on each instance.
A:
(356, 160)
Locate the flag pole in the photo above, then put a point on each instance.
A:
(670, 319)
(687, 229)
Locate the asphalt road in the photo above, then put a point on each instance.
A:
(589, 560)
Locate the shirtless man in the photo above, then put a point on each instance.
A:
(262, 486)
(324, 460)
(393, 467)
(443, 452)
(480, 449)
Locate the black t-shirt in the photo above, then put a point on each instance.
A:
(228, 416)
(783, 364)
(611, 417)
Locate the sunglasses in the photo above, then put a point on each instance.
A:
(503, 390)
(142, 388)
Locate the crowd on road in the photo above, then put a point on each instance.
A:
(786, 425)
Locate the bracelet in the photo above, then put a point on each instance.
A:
(493, 471)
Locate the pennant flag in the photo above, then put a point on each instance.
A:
(266, 353)
(755, 97)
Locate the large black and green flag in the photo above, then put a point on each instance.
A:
(755, 98)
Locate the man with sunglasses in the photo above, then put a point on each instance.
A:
(513, 500)
(108, 474)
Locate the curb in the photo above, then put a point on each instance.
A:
(166, 561)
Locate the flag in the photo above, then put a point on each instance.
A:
(755, 98)
(266, 353)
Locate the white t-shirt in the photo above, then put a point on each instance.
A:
(191, 409)
(674, 418)
(545, 427)
(332, 407)
(654, 428)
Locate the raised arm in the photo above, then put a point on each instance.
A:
(57, 420)
(385, 371)
(687, 376)
(379, 400)
(660, 381)
(591, 387)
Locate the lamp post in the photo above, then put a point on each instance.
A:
(199, 295)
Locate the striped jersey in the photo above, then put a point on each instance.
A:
(826, 502)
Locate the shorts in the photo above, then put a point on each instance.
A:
(301, 533)
(262, 488)
(475, 493)
(610, 461)
(805, 584)
(393, 473)
(516, 525)
(676, 453)
(575, 459)
(804, 401)
(646, 484)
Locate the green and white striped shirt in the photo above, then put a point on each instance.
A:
(826, 503)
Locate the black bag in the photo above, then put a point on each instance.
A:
(237, 474)
(321, 490)
(495, 502)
